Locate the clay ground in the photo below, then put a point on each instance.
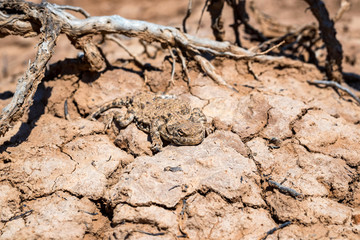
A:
(70, 179)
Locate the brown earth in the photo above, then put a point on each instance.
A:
(69, 179)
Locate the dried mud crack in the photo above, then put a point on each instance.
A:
(281, 163)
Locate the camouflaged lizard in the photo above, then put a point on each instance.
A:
(162, 116)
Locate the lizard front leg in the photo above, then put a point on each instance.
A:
(124, 120)
(197, 116)
(121, 119)
(155, 136)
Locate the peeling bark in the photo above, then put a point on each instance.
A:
(28, 83)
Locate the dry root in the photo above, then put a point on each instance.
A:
(335, 85)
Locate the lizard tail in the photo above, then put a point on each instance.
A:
(116, 103)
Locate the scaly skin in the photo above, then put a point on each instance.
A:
(163, 117)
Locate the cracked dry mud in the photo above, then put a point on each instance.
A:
(70, 179)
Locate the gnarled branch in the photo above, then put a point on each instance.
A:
(28, 83)
(328, 34)
(30, 19)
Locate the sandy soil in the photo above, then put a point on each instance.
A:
(70, 179)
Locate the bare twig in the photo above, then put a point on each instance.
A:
(173, 169)
(249, 65)
(272, 48)
(188, 13)
(335, 85)
(344, 6)
(72, 8)
(307, 36)
(182, 213)
(284, 189)
(241, 17)
(270, 28)
(271, 231)
(202, 14)
(90, 213)
(210, 70)
(17, 25)
(249, 55)
(118, 42)
(333, 46)
(66, 110)
(173, 65)
(176, 186)
(150, 234)
(25, 214)
(304, 37)
(183, 64)
(184, 234)
(215, 8)
(146, 50)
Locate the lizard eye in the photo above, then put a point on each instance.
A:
(181, 132)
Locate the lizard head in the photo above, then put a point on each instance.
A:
(185, 132)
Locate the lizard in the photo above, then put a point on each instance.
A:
(162, 116)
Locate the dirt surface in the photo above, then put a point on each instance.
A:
(71, 179)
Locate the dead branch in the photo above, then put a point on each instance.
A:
(270, 28)
(75, 28)
(72, 8)
(92, 54)
(28, 83)
(241, 17)
(202, 14)
(25, 214)
(118, 42)
(328, 34)
(173, 65)
(188, 13)
(207, 67)
(296, 39)
(150, 234)
(215, 9)
(335, 85)
(344, 6)
(251, 71)
(183, 64)
(271, 231)
(30, 19)
(66, 111)
(279, 32)
(284, 189)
